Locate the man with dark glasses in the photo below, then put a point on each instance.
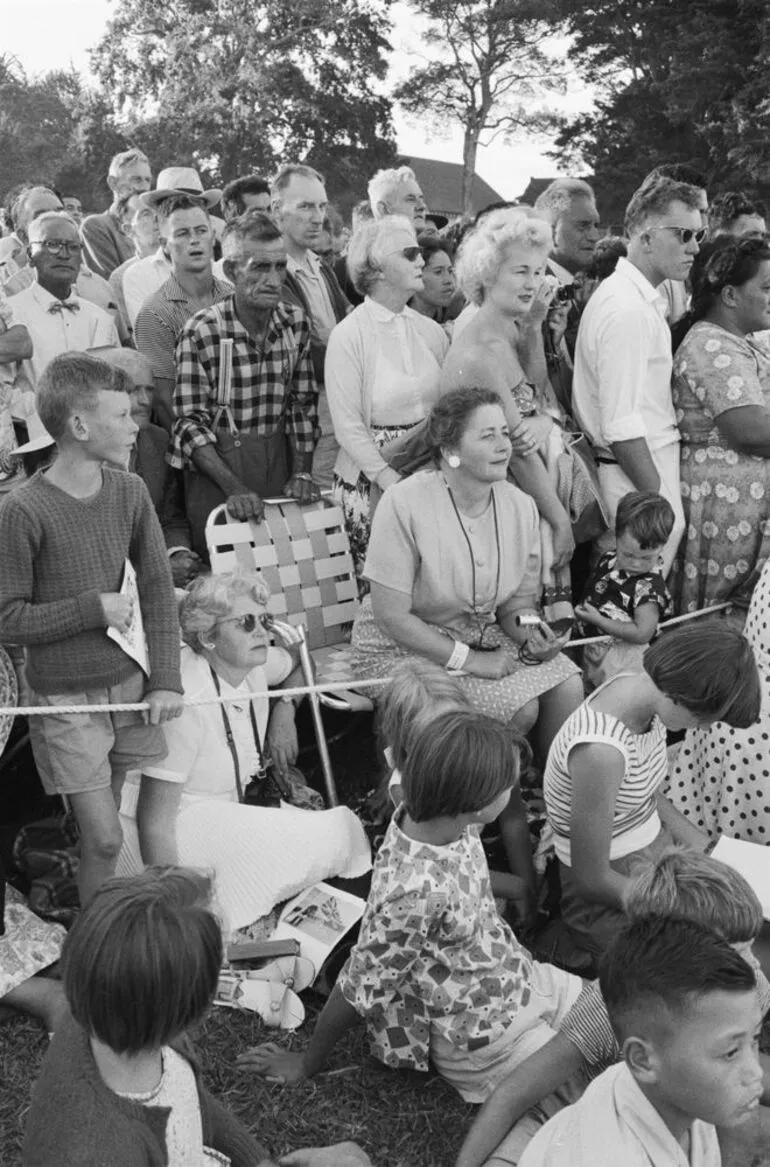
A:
(622, 384)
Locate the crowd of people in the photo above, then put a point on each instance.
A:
(534, 431)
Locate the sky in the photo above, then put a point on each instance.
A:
(52, 34)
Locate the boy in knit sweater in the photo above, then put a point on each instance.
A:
(66, 537)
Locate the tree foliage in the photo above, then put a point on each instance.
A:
(677, 81)
(235, 86)
(485, 68)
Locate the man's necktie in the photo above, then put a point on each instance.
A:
(60, 305)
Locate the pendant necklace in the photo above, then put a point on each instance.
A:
(480, 624)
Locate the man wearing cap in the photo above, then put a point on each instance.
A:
(299, 205)
(104, 243)
(146, 276)
(187, 238)
(57, 319)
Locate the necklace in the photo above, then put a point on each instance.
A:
(478, 614)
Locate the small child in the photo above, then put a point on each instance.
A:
(626, 596)
(436, 974)
(66, 536)
(683, 1005)
(680, 885)
(118, 1085)
(417, 693)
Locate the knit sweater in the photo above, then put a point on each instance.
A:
(58, 554)
(75, 1120)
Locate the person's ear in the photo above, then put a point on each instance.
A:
(642, 1060)
(729, 297)
(78, 427)
(229, 268)
(383, 210)
(126, 228)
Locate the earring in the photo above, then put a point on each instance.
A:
(453, 460)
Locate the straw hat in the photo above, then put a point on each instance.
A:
(177, 180)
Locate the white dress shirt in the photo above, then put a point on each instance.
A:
(622, 383)
(142, 280)
(59, 332)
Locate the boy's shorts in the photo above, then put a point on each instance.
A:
(79, 752)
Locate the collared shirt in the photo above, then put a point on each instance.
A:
(59, 332)
(623, 360)
(141, 280)
(269, 382)
(161, 320)
(313, 284)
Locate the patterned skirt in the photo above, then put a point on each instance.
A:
(375, 655)
(29, 944)
(354, 498)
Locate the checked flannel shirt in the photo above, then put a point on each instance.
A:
(262, 379)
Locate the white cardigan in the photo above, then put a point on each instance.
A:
(348, 374)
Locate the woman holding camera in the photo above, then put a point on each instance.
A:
(454, 569)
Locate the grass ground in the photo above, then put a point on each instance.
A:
(401, 1119)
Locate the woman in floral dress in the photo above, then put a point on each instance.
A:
(721, 392)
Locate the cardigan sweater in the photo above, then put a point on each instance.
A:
(59, 554)
(75, 1120)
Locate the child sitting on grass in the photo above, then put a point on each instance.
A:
(684, 1008)
(437, 975)
(679, 885)
(625, 596)
(417, 693)
(119, 1086)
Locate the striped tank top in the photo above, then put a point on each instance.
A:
(635, 823)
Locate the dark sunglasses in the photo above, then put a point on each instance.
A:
(248, 622)
(411, 253)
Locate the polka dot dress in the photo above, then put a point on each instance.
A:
(721, 778)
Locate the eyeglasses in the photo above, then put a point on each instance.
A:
(248, 622)
(56, 246)
(685, 233)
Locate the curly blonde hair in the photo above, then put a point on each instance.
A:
(483, 251)
(209, 599)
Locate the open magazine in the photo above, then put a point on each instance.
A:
(318, 918)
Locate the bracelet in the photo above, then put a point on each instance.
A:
(303, 476)
(460, 654)
(527, 657)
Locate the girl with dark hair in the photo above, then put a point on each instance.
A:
(439, 286)
(721, 392)
(608, 763)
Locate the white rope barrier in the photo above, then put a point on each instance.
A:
(353, 684)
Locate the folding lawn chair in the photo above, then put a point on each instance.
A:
(304, 556)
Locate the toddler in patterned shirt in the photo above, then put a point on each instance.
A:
(626, 596)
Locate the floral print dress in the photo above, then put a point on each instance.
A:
(725, 494)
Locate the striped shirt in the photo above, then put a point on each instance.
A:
(162, 318)
(635, 821)
(587, 1025)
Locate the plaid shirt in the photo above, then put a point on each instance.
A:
(268, 384)
(161, 319)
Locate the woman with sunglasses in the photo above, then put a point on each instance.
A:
(382, 367)
(721, 392)
(190, 810)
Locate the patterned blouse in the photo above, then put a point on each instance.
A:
(617, 593)
(433, 956)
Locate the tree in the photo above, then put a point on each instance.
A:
(235, 86)
(485, 69)
(677, 81)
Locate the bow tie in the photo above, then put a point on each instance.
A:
(60, 305)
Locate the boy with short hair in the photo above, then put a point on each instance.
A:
(684, 1008)
(679, 885)
(66, 537)
(626, 596)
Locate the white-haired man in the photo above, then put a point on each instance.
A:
(569, 205)
(397, 192)
(57, 319)
(105, 244)
(622, 385)
(299, 206)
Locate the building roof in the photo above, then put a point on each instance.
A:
(442, 185)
